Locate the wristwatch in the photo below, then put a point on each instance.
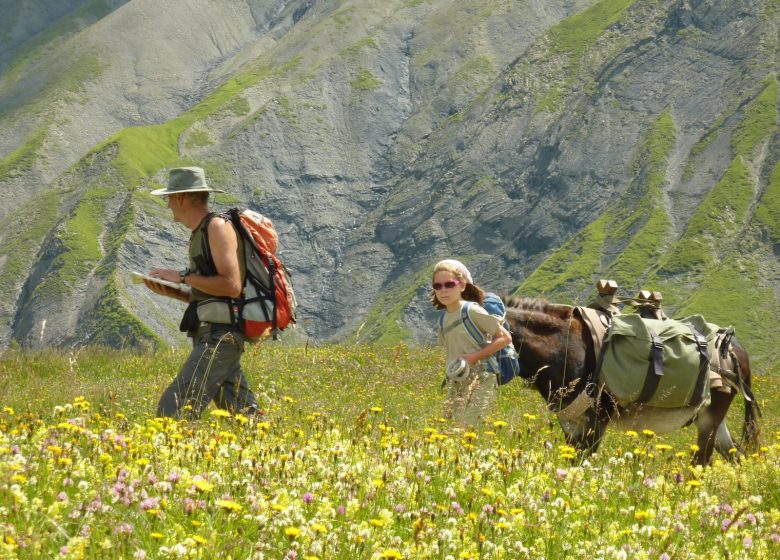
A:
(183, 276)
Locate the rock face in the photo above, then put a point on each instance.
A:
(380, 137)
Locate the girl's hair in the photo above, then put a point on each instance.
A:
(471, 293)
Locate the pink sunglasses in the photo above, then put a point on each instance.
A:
(449, 284)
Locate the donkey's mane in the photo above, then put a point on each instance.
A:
(538, 310)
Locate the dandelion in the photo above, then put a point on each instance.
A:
(648, 433)
(229, 505)
(292, 532)
(220, 413)
(391, 554)
(376, 409)
(202, 485)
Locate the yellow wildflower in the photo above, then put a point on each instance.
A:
(292, 532)
(202, 485)
(229, 505)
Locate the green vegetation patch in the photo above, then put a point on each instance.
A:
(639, 222)
(365, 81)
(648, 242)
(354, 49)
(575, 34)
(113, 325)
(714, 225)
(199, 138)
(383, 323)
(238, 106)
(54, 37)
(118, 230)
(21, 160)
(735, 292)
(80, 245)
(143, 150)
(571, 38)
(572, 268)
(767, 212)
(24, 230)
(760, 121)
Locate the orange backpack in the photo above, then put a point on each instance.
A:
(268, 303)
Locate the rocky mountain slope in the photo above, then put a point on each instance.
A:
(545, 143)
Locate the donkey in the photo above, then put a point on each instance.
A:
(557, 358)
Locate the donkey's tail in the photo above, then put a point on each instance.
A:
(750, 427)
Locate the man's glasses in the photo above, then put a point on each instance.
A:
(449, 284)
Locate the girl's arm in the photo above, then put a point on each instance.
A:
(500, 339)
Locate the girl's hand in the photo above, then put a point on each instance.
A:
(471, 360)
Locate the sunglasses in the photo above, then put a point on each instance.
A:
(449, 284)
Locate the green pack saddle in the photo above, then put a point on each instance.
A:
(660, 363)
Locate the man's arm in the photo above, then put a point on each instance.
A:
(223, 244)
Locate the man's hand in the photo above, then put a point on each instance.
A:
(171, 276)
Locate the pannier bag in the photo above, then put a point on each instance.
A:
(660, 363)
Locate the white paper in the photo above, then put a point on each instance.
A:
(139, 278)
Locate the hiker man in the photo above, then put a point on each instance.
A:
(215, 273)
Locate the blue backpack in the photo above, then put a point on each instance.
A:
(504, 363)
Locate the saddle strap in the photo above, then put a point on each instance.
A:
(704, 367)
(655, 370)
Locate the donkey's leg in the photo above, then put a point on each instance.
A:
(724, 443)
(713, 433)
(585, 432)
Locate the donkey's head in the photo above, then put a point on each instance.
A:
(552, 344)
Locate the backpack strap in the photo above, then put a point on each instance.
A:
(471, 328)
(655, 370)
(206, 264)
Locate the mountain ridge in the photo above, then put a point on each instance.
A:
(378, 135)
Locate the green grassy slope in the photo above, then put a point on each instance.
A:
(635, 229)
(719, 266)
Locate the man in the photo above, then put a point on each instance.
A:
(215, 278)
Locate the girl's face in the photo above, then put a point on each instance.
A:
(448, 288)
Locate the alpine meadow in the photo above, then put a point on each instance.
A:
(547, 144)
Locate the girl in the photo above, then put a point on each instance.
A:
(471, 389)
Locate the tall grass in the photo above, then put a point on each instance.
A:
(353, 462)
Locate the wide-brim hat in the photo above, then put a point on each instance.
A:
(186, 180)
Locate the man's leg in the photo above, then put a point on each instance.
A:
(214, 359)
(235, 394)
